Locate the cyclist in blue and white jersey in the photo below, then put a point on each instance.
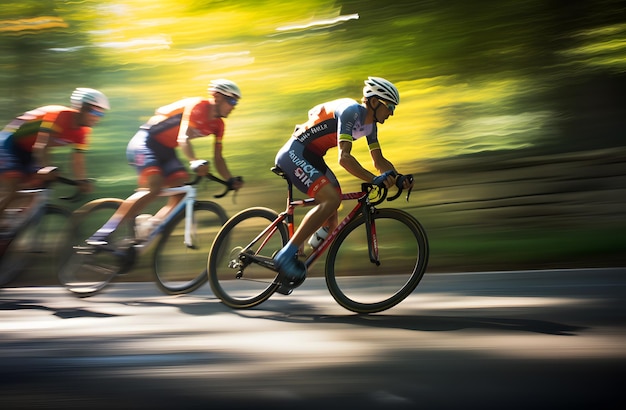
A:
(333, 124)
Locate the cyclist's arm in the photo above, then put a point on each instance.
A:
(40, 149)
(351, 164)
(222, 168)
(383, 165)
(185, 133)
(380, 162)
(80, 170)
(186, 147)
(78, 164)
(219, 161)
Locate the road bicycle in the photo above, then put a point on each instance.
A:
(182, 242)
(376, 256)
(32, 228)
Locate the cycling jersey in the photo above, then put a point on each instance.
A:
(164, 125)
(56, 120)
(152, 149)
(334, 121)
(17, 139)
(301, 158)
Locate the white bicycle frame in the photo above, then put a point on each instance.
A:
(188, 201)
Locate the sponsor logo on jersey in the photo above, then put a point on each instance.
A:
(312, 131)
(304, 171)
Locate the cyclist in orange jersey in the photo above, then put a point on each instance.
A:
(152, 151)
(26, 141)
(333, 124)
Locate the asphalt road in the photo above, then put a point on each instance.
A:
(531, 339)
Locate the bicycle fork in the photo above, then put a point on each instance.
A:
(189, 222)
(370, 232)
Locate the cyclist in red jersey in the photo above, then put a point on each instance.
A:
(152, 151)
(333, 124)
(26, 141)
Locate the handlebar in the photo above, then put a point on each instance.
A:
(211, 177)
(51, 170)
(383, 190)
(400, 184)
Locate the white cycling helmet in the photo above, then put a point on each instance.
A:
(379, 87)
(225, 87)
(89, 96)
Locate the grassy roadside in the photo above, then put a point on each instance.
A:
(464, 252)
(528, 249)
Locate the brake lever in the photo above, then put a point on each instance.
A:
(408, 193)
(77, 194)
(223, 194)
(400, 184)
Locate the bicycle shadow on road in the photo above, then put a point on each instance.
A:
(62, 313)
(185, 304)
(429, 323)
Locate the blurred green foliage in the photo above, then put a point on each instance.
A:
(476, 79)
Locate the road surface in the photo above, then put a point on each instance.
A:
(530, 339)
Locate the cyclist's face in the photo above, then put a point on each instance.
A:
(383, 110)
(90, 115)
(224, 104)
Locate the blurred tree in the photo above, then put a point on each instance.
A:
(44, 47)
(571, 51)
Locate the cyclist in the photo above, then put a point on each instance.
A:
(152, 150)
(26, 141)
(333, 124)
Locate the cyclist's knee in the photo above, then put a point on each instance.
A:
(177, 178)
(329, 197)
(154, 183)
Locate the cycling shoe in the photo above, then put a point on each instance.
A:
(292, 271)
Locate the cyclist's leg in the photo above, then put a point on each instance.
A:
(8, 193)
(148, 164)
(311, 175)
(175, 176)
(11, 197)
(325, 212)
(129, 207)
(15, 165)
(158, 167)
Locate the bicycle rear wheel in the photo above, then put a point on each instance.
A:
(86, 270)
(179, 268)
(360, 285)
(35, 246)
(237, 284)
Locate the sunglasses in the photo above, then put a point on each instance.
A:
(391, 107)
(231, 100)
(96, 112)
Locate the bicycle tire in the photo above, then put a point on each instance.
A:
(178, 268)
(87, 270)
(403, 255)
(257, 283)
(35, 246)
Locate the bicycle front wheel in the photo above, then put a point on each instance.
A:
(180, 267)
(236, 283)
(35, 246)
(86, 270)
(361, 285)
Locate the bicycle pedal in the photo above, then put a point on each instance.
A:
(84, 250)
(285, 290)
(96, 243)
